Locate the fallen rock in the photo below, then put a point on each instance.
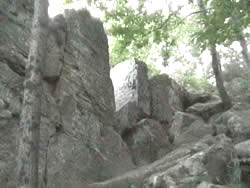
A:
(205, 110)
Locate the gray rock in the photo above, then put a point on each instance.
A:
(56, 46)
(130, 82)
(181, 121)
(243, 149)
(147, 140)
(127, 117)
(5, 114)
(132, 94)
(167, 98)
(233, 123)
(78, 144)
(83, 109)
(2, 104)
(206, 110)
(196, 131)
(205, 184)
(200, 168)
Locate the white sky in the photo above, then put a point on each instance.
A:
(57, 7)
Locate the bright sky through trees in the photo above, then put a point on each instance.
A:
(57, 6)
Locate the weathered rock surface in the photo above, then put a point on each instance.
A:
(233, 123)
(130, 82)
(187, 128)
(167, 98)
(147, 141)
(132, 95)
(206, 110)
(243, 149)
(188, 166)
(78, 143)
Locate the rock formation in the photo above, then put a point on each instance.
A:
(144, 132)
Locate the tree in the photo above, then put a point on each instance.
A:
(209, 38)
(28, 153)
(135, 31)
(231, 18)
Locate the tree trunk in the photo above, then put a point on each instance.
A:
(28, 153)
(219, 80)
(244, 51)
(226, 100)
(240, 37)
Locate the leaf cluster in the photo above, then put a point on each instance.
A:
(135, 30)
(221, 22)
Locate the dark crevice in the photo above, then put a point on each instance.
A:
(15, 67)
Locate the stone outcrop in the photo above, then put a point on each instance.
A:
(78, 143)
(142, 132)
(132, 95)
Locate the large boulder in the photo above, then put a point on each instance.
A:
(167, 98)
(132, 96)
(78, 144)
(83, 140)
(130, 82)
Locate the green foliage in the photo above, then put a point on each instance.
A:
(68, 1)
(220, 22)
(152, 70)
(135, 30)
(235, 174)
(132, 186)
(241, 87)
(191, 81)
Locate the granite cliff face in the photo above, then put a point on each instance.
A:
(77, 138)
(142, 133)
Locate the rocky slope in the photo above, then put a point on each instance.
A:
(136, 132)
